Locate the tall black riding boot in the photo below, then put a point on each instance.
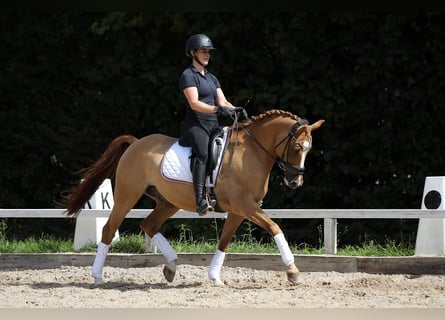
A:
(199, 176)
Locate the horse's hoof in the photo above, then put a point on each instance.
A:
(169, 271)
(293, 274)
(217, 282)
(98, 280)
(293, 277)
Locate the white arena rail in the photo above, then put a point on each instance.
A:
(329, 216)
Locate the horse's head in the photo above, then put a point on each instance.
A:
(296, 148)
(287, 148)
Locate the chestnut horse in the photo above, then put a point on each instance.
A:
(256, 144)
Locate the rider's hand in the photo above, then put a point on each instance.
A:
(225, 111)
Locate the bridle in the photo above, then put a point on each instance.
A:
(282, 161)
(284, 165)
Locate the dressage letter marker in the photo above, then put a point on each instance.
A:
(431, 232)
(104, 197)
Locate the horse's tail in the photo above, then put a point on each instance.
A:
(95, 174)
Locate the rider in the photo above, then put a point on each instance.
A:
(204, 100)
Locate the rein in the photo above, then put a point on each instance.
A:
(235, 125)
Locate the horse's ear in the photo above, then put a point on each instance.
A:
(317, 124)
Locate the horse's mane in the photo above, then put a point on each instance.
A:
(268, 114)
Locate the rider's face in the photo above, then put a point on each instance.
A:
(203, 55)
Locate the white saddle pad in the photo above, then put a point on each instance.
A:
(176, 163)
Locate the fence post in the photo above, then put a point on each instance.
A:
(431, 232)
(330, 235)
(89, 229)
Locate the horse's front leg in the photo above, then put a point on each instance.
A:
(260, 218)
(288, 258)
(230, 226)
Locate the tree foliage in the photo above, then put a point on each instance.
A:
(72, 82)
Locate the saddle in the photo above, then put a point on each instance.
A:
(177, 165)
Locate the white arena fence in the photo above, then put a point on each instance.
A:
(330, 216)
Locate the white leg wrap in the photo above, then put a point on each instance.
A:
(286, 254)
(166, 249)
(99, 261)
(215, 266)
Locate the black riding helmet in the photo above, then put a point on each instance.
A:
(198, 41)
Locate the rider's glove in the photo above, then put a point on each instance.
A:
(225, 111)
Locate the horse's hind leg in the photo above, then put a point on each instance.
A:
(151, 225)
(108, 231)
(125, 199)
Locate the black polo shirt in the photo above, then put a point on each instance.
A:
(206, 85)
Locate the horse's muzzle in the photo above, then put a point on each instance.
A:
(294, 177)
(295, 182)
